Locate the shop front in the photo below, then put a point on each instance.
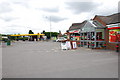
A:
(113, 40)
(75, 36)
(92, 36)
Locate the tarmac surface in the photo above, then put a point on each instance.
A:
(25, 59)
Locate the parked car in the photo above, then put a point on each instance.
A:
(60, 39)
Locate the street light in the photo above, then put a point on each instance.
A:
(50, 25)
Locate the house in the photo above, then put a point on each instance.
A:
(112, 31)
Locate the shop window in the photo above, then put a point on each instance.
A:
(85, 36)
(82, 37)
(92, 36)
(99, 36)
(114, 35)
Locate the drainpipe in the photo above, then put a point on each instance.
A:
(95, 38)
(80, 39)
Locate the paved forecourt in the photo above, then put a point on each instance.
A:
(25, 59)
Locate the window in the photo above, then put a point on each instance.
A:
(114, 35)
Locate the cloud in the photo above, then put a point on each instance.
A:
(22, 3)
(14, 25)
(56, 9)
(8, 19)
(56, 19)
(119, 6)
(79, 7)
(22, 15)
(5, 7)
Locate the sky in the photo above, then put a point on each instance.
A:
(20, 16)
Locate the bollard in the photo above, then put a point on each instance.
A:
(104, 46)
(117, 48)
(92, 45)
(8, 42)
(88, 45)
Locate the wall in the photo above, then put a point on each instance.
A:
(0, 61)
(109, 45)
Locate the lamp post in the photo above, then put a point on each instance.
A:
(50, 27)
(49, 18)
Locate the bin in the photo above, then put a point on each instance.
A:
(8, 42)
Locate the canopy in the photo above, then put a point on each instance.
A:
(27, 35)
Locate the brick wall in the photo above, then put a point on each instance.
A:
(111, 46)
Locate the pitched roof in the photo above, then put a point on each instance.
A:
(75, 26)
(111, 19)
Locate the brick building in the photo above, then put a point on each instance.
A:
(112, 30)
(74, 31)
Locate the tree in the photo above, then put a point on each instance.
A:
(43, 31)
(59, 32)
(31, 37)
(30, 32)
(53, 34)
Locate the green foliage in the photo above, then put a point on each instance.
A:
(30, 32)
(53, 34)
(4, 39)
(12, 37)
(25, 38)
(43, 31)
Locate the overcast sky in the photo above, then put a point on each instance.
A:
(20, 16)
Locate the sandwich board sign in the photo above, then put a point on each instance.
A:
(74, 45)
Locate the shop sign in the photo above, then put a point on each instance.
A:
(74, 31)
(114, 35)
(113, 25)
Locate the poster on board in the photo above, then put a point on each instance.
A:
(74, 45)
(114, 35)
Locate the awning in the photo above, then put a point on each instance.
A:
(113, 28)
(75, 36)
(75, 31)
(27, 35)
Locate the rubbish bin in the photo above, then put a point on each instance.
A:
(8, 42)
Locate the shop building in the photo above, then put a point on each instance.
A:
(74, 31)
(92, 35)
(112, 30)
(73, 34)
